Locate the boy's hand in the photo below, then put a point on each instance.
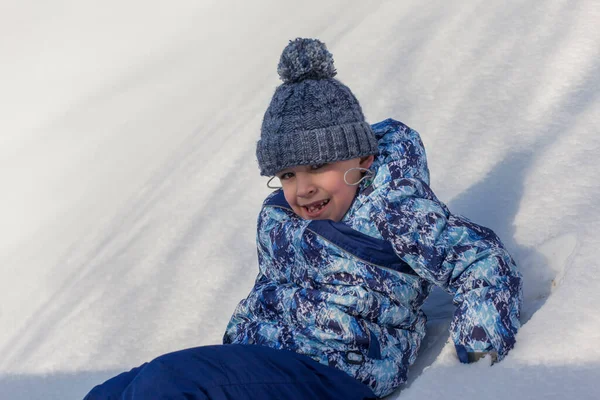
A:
(477, 355)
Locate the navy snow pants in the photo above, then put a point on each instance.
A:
(232, 371)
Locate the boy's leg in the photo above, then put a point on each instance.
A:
(241, 372)
(112, 388)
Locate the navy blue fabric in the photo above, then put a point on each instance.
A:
(232, 371)
(462, 353)
(374, 348)
(278, 199)
(367, 248)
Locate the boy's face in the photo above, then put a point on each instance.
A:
(319, 191)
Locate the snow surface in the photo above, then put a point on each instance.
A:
(130, 189)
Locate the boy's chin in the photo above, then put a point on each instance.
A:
(326, 215)
(319, 218)
(308, 217)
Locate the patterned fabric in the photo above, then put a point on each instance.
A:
(315, 298)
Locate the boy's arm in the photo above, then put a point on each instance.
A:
(467, 260)
(274, 292)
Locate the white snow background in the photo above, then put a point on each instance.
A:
(129, 188)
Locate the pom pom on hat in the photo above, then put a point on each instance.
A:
(305, 59)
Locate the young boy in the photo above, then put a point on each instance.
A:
(348, 252)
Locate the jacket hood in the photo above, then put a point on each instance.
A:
(401, 152)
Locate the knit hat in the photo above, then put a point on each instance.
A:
(313, 118)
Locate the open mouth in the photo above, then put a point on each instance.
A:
(315, 208)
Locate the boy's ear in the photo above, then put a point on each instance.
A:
(365, 162)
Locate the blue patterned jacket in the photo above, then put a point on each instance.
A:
(349, 294)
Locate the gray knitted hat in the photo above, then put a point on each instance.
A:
(313, 118)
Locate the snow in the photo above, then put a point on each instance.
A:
(130, 188)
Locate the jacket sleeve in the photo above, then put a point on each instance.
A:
(465, 259)
(275, 294)
(268, 298)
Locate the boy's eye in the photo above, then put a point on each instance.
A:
(286, 175)
(317, 166)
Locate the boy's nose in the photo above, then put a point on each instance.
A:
(304, 186)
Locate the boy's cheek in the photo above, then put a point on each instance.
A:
(288, 197)
(292, 202)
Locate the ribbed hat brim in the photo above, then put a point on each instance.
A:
(317, 146)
